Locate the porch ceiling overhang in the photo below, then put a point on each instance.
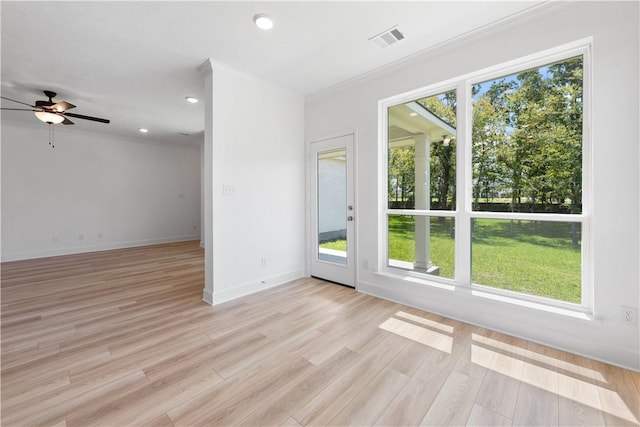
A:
(409, 120)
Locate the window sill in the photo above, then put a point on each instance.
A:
(473, 292)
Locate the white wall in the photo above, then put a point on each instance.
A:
(113, 192)
(258, 155)
(615, 231)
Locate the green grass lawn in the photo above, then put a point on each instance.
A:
(532, 257)
(536, 258)
(338, 245)
(442, 247)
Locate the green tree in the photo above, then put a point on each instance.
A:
(494, 159)
(527, 137)
(443, 155)
(401, 179)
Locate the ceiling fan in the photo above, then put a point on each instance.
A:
(52, 112)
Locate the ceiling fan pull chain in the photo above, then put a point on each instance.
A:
(51, 141)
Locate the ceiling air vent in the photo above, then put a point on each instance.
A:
(387, 37)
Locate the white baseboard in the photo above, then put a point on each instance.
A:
(92, 248)
(207, 297)
(252, 287)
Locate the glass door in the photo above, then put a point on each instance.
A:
(332, 210)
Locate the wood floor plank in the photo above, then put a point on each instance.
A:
(66, 402)
(412, 402)
(321, 409)
(34, 388)
(620, 407)
(204, 349)
(579, 403)
(236, 399)
(152, 399)
(277, 409)
(53, 364)
(476, 359)
(123, 338)
(13, 360)
(411, 358)
(115, 366)
(369, 403)
(290, 423)
(326, 346)
(499, 393)
(454, 402)
(536, 407)
(499, 390)
(481, 416)
(160, 421)
(249, 357)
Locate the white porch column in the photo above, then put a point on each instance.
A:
(422, 197)
(207, 72)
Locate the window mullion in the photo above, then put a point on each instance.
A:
(463, 185)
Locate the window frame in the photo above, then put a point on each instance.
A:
(463, 212)
(429, 213)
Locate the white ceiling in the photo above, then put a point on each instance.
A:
(135, 62)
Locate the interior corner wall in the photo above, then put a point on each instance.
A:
(258, 185)
(94, 192)
(615, 136)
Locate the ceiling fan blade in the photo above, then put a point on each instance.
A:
(80, 116)
(19, 109)
(62, 106)
(67, 121)
(19, 102)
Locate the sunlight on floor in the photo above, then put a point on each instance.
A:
(426, 322)
(419, 334)
(579, 383)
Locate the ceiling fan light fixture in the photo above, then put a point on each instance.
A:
(263, 21)
(50, 118)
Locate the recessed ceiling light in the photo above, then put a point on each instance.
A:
(191, 99)
(143, 130)
(263, 21)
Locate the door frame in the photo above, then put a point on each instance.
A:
(311, 233)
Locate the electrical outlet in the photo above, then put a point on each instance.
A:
(629, 315)
(54, 239)
(229, 190)
(80, 236)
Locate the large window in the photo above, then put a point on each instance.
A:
(502, 195)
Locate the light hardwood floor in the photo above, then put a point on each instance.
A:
(123, 338)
